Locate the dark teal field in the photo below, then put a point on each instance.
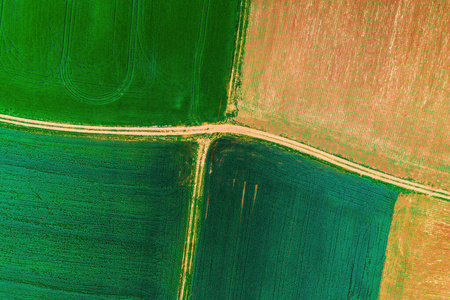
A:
(277, 225)
(91, 219)
(127, 62)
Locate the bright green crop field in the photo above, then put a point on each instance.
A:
(123, 62)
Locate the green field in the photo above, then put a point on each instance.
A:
(122, 216)
(91, 219)
(128, 62)
(277, 225)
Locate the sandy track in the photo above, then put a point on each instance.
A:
(228, 129)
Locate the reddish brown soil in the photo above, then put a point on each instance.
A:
(367, 80)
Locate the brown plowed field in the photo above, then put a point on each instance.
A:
(369, 81)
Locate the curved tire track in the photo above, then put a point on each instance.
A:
(65, 61)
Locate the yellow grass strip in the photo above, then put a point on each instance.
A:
(194, 217)
(238, 54)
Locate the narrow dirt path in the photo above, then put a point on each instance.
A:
(228, 129)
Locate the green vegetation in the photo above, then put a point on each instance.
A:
(277, 225)
(86, 218)
(130, 62)
(89, 219)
